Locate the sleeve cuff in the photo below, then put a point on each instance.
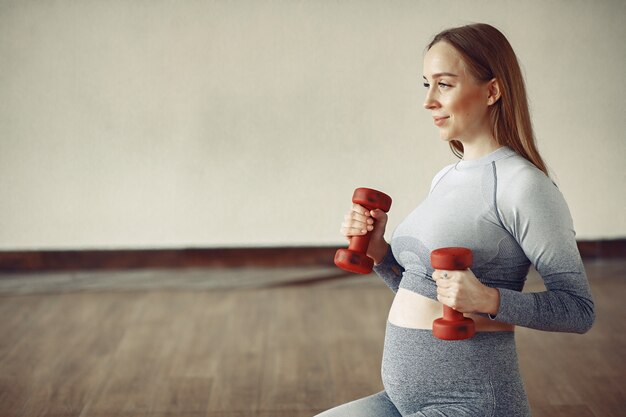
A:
(494, 317)
(390, 270)
(514, 308)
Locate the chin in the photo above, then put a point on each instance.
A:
(444, 137)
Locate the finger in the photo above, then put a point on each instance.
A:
(351, 223)
(351, 231)
(442, 299)
(348, 230)
(353, 215)
(377, 214)
(380, 216)
(441, 275)
(448, 301)
(357, 208)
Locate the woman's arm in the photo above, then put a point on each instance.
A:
(534, 211)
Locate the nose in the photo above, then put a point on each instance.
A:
(430, 102)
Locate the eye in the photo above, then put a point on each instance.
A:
(443, 85)
(427, 85)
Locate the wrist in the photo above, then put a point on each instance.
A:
(378, 251)
(492, 304)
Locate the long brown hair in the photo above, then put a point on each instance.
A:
(488, 54)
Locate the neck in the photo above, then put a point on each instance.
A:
(478, 149)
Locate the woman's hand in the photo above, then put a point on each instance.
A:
(462, 291)
(360, 221)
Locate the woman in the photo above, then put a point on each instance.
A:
(498, 201)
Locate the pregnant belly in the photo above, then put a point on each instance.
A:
(412, 310)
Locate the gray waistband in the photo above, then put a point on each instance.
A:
(485, 353)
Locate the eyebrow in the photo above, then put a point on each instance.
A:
(442, 74)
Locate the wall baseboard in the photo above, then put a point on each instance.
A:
(74, 260)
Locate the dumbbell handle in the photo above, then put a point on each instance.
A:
(451, 314)
(360, 243)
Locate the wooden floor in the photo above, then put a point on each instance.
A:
(285, 349)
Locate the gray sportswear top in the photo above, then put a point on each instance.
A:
(510, 215)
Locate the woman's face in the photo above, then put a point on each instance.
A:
(458, 102)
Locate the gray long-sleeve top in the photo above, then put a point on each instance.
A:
(510, 215)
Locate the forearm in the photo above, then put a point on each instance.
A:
(552, 310)
(389, 270)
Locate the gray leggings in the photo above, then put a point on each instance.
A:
(427, 377)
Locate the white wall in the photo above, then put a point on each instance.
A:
(141, 124)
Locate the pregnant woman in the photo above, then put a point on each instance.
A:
(498, 201)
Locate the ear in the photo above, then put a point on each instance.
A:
(493, 89)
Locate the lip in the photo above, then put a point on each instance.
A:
(440, 120)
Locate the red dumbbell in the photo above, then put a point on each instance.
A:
(453, 325)
(354, 259)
